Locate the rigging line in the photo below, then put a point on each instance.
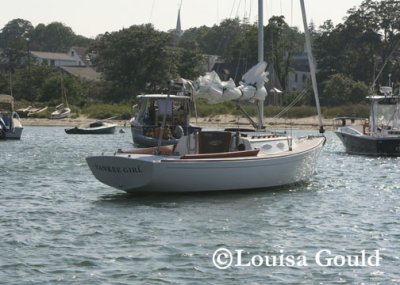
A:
(386, 61)
(244, 12)
(249, 11)
(233, 6)
(151, 11)
(291, 14)
(238, 7)
(294, 102)
(217, 11)
(287, 108)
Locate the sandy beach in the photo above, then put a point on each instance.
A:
(220, 121)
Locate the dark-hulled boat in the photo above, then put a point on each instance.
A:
(377, 136)
(96, 128)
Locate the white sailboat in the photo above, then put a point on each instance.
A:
(217, 160)
(62, 111)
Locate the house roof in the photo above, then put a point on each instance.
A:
(53, 56)
(83, 72)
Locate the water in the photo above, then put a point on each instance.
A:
(58, 225)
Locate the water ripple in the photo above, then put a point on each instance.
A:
(60, 225)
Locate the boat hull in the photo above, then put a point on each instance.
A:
(369, 145)
(14, 134)
(61, 114)
(151, 173)
(93, 131)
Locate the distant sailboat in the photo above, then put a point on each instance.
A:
(62, 111)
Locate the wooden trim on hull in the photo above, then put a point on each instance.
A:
(222, 154)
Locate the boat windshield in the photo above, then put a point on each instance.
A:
(389, 115)
(152, 110)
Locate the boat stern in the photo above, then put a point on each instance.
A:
(124, 173)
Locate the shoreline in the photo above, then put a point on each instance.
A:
(219, 121)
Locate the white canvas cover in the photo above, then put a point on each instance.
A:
(212, 88)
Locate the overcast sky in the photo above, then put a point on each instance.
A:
(92, 17)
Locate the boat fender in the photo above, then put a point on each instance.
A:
(178, 132)
(2, 129)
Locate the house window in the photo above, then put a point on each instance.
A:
(72, 53)
(304, 78)
(52, 62)
(295, 77)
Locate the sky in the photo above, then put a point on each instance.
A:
(90, 18)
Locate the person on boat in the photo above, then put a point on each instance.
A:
(152, 113)
(366, 127)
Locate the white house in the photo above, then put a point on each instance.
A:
(55, 59)
(299, 76)
(76, 56)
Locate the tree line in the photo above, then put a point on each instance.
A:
(138, 59)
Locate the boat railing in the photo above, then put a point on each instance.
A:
(348, 121)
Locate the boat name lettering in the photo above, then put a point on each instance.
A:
(117, 169)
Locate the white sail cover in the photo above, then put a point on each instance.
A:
(212, 88)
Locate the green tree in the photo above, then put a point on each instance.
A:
(281, 42)
(14, 39)
(340, 89)
(191, 61)
(55, 37)
(135, 59)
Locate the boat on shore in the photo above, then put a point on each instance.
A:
(379, 135)
(10, 123)
(61, 112)
(30, 111)
(95, 128)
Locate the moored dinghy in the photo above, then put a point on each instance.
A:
(95, 128)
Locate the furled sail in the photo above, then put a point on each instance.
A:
(214, 90)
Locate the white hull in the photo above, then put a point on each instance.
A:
(153, 173)
(61, 114)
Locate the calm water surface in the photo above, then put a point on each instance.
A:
(58, 225)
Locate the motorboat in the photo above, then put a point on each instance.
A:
(151, 109)
(10, 123)
(211, 160)
(98, 127)
(61, 112)
(378, 135)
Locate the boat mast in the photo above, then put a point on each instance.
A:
(260, 103)
(312, 65)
